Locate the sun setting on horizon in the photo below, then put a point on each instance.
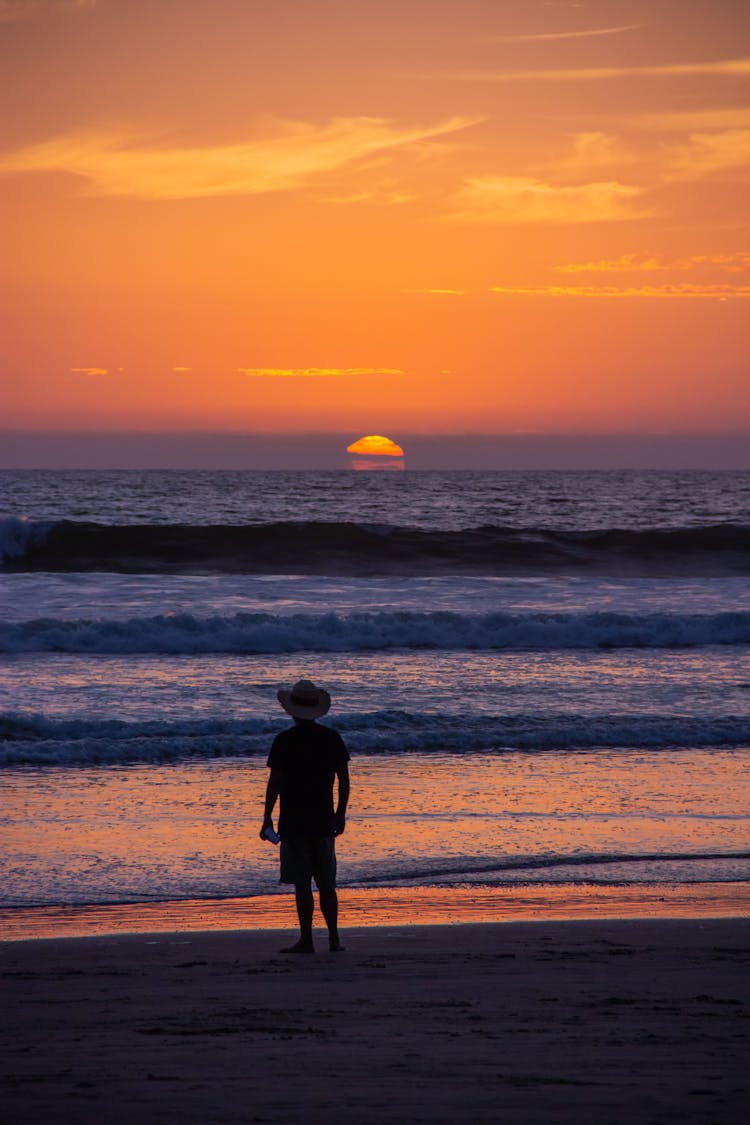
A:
(488, 217)
(376, 445)
(376, 452)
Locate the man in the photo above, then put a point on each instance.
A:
(304, 762)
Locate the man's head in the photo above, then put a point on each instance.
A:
(304, 700)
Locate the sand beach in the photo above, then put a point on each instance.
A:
(555, 1021)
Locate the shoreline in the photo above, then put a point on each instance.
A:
(366, 908)
(569, 1022)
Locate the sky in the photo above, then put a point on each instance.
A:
(390, 217)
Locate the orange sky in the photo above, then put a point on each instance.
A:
(398, 215)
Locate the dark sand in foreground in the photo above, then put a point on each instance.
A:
(608, 1021)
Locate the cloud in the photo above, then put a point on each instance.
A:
(116, 165)
(549, 35)
(13, 11)
(705, 153)
(632, 263)
(723, 292)
(315, 372)
(439, 292)
(693, 157)
(737, 68)
(90, 370)
(384, 195)
(596, 150)
(696, 156)
(520, 199)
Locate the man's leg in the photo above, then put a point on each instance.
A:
(303, 897)
(296, 868)
(324, 870)
(329, 904)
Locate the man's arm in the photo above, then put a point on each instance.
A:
(273, 788)
(342, 773)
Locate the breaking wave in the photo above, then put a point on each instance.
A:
(357, 549)
(34, 739)
(18, 537)
(245, 633)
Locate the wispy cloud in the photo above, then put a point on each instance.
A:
(315, 372)
(693, 157)
(438, 292)
(117, 166)
(735, 68)
(544, 36)
(13, 11)
(596, 150)
(636, 263)
(705, 153)
(89, 370)
(385, 194)
(520, 199)
(723, 292)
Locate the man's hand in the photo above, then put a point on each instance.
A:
(273, 789)
(339, 823)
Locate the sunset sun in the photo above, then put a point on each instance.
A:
(376, 452)
(375, 445)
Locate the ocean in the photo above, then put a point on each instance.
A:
(543, 677)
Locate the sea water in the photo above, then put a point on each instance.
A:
(542, 677)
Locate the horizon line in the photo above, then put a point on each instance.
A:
(415, 434)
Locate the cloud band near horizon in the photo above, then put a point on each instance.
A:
(315, 372)
(722, 292)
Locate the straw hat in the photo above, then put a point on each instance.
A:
(305, 700)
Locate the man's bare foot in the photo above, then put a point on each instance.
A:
(299, 947)
(335, 945)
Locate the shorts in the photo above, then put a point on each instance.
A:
(309, 857)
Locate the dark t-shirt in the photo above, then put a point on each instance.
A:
(307, 756)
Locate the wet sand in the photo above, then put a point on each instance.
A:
(577, 1022)
(389, 906)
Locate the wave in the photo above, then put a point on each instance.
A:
(630, 869)
(436, 877)
(18, 537)
(370, 549)
(494, 871)
(246, 633)
(34, 739)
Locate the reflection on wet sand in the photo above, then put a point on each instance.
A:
(390, 906)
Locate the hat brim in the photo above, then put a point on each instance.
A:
(305, 711)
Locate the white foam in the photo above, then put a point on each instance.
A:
(185, 633)
(38, 740)
(17, 535)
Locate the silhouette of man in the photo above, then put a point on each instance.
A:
(305, 760)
